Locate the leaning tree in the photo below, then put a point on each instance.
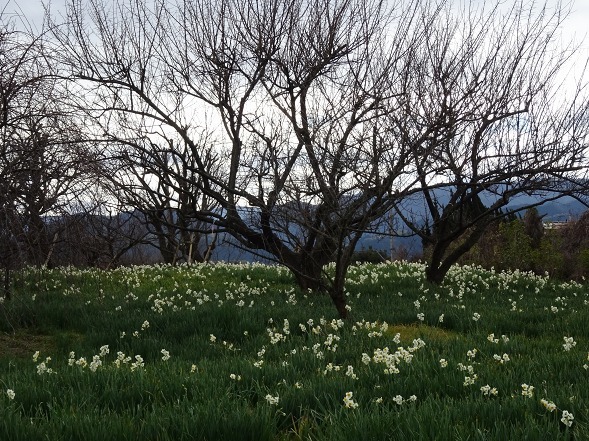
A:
(511, 125)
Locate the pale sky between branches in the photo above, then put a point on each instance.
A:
(577, 24)
(575, 29)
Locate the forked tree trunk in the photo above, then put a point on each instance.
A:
(442, 260)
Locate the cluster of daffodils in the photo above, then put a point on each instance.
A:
(527, 390)
(489, 391)
(99, 360)
(330, 367)
(326, 328)
(399, 400)
(501, 358)
(236, 293)
(42, 368)
(469, 379)
(94, 364)
(275, 337)
(492, 339)
(549, 405)
(144, 327)
(138, 363)
(567, 417)
(225, 344)
(569, 343)
(375, 329)
(372, 274)
(272, 400)
(317, 351)
(121, 359)
(312, 328)
(392, 359)
(349, 402)
(330, 342)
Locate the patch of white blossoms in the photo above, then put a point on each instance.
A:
(569, 343)
(349, 401)
(501, 358)
(489, 391)
(272, 400)
(527, 390)
(392, 359)
(549, 405)
(567, 418)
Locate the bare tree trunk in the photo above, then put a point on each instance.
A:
(337, 292)
(51, 248)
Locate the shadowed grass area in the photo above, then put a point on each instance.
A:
(23, 344)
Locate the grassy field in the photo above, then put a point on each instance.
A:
(232, 352)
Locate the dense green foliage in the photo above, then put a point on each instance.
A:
(529, 244)
(237, 352)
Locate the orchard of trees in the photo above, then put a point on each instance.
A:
(290, 127)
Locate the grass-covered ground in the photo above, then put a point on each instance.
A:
(231, 352)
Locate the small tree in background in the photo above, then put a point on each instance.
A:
(533, 226)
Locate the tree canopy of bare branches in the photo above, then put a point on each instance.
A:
(508, 123)
(42, 160)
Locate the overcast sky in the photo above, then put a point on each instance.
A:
(576, 26)
(33, 11)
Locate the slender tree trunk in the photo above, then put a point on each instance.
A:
(339, 300)
(7, 293)
(337, 292)
(433, 270)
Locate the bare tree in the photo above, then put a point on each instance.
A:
(164, 191)
(43, 159)
(99, 233)
(491, 84)
(15, 75)
(299, 94)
